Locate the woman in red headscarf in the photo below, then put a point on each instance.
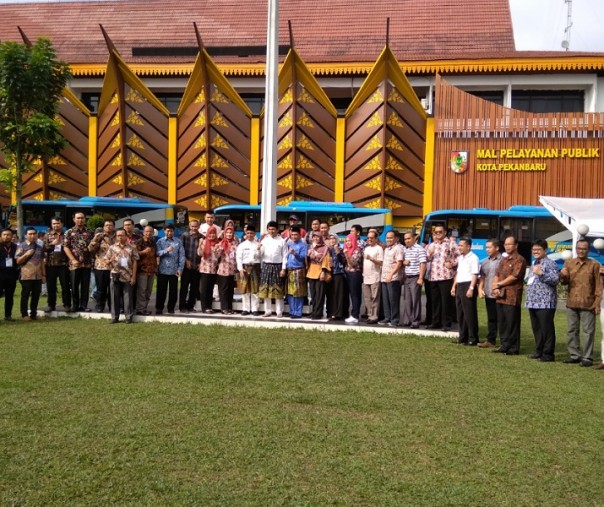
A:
(354, 275)
(208, 268)
(227, 269)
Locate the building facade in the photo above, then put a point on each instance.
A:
(414, 119)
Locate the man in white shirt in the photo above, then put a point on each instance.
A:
(248, 265)
(209, 222)
(464, 290)
(273, 256)
(391, 280)
(373, 256)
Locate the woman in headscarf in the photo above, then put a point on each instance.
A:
(227, 223)
(208, 268)
(227, 269)
(354, 275)
(319, 268)
(337, 290)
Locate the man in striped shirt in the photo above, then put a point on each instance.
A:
(414, 262)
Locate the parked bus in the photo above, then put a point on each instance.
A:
(526, 223)
(38, 214)
(340, 216)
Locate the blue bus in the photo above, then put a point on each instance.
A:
(526, 223)
(38, 214)
(340, 216)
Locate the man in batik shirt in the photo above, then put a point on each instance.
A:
(147, 266)
(77, 240)
(99, 246)
(56, 266)
(122, 258)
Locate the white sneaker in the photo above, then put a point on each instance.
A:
(197, 306)
(351, 320)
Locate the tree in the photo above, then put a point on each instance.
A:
(31, 85)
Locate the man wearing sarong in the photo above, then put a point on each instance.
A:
(273, 254)
(248, 265)
(296, 272)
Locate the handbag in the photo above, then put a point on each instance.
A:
(327, 278)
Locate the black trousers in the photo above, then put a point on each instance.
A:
(391, 301)
(467, 315)
(189, 289)
(80, 287)
(336, 294)
(102, 278)
(206, 289)
(491, 305)
(442, 303)
(318, 300)
(121, 291)
(166, 284)
(508, 320)
(226, 289)
(8, 283)
(542, 322)
(60, 274)
(30, 289)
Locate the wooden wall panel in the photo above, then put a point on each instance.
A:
(385, 149)
(214, 147)
(468, 123)
(306, 147)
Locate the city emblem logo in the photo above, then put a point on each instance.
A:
(459, 161)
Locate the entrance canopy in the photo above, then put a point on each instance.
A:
(572, 212)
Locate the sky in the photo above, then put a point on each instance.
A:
(540, 24)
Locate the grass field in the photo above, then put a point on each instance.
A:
(159, 414)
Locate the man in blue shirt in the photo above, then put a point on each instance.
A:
(296, 273)
(171, 255)
(541, 300)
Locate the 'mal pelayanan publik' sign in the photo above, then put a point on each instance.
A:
(523, 159)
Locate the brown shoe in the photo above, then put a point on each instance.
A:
(486, 345)
(599, 367)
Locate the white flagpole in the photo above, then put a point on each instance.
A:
(268, 209)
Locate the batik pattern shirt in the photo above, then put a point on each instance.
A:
(32, 269)
(170, 262)
(439, 253)
(512, 265)
(99, 246)
(584, 287)
(147, 265)
(354, 262)
(55, 255)
(77, 240)
(208, 264)
(392, 256)
(121, 260)
(227, 262)
(541, 289)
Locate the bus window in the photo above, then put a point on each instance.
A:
(484, 228)
(545, 228)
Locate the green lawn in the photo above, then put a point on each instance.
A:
(159, 414)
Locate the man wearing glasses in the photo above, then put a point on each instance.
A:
(442, 254)
(582, 275)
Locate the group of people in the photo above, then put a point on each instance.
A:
(300, 266)
(122, 263)
(500, 279)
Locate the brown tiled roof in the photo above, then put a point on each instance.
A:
(324, 31)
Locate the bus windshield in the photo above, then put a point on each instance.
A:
(526, 223)
(340, 217)
(38, 214)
